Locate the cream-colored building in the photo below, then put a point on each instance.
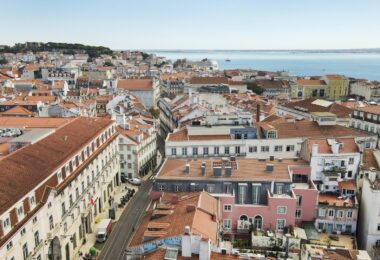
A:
(52, 190)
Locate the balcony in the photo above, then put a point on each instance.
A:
(334, 171)
(243, 226)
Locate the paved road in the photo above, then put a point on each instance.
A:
(122, 231)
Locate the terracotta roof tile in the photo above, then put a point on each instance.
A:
(27, 167)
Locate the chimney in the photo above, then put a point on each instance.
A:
(217, 171)
(258, 113)
(190, 208)
(315, 149)
(335, 147)
(203, 170)
(205, 249)
(269, 167)
(186, 242)
(228, 171)
(187, 168)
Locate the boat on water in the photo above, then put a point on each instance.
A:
(228, 60)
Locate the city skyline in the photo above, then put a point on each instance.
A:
(197, 25)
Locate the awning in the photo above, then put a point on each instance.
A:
(310, 231)
(300, 232)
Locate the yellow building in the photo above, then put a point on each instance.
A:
(307, 88)
(338, 86)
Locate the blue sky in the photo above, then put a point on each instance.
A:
(195, 24)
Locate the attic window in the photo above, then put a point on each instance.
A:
(272, 134)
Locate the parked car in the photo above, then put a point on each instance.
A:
(135, 181)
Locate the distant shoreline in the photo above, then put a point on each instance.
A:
(351, 51)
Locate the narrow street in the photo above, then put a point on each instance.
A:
(122, 231)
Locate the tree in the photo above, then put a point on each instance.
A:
(154, 112)
(255, 88)
(108, 64)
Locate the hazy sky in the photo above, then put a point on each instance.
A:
(195, 24)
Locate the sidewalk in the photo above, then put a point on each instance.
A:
(91, 238)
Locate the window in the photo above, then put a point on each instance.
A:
(216, 150)
(278, 148)
(20, 211)
(23, 231)
(129, 165)
(242, 193)
(49, 205)
(378, 227)
(35, 220)
(195, 150)
(25, 251)
(71, 200)
(6, 223)
(256, 193)
(252, 149)
(184, 151)
(331, 213)
(174, 151)
(205, 150)
(349, 174)
(265, 149)
(351, 160)
(322, 213)
(290, 148)
(298, 213)
(272, 134)
(340, 213)
(36, 239)
(349, 214)
(178, 188)
(32, 201)
(227, 150)
(227, 223)
(161, 187)
(210, 188)
(279, 189)
(280, 224)
(227, 187)
(281, 210)
(9, 245)
(227, 207)
(299, 200)
(51, 222)
(77, 193)
(63, 206)
(237, 149)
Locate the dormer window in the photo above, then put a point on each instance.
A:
(20, 211)
(32, 201)
(6, 223)
(272, 134)
(59, 177)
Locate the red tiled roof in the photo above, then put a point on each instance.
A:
(135, 84)
(27, 167)
(17, 110)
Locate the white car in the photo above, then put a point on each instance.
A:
(135, 181)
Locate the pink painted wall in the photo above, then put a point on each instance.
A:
(308, 203)
(267, 212)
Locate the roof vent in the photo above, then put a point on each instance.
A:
(187, 168)
(269, 167)
(190, 208)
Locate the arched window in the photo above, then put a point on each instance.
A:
(244, 217)
(258, 222)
